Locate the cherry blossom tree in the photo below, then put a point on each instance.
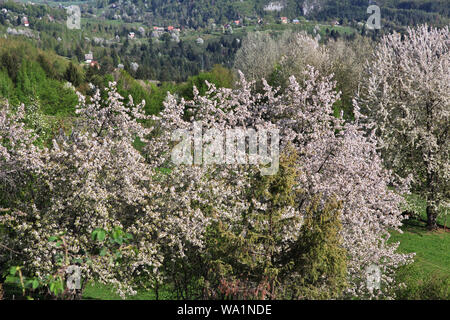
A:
(407, 93)
(338, 159)
(92, 180)
(94, 183)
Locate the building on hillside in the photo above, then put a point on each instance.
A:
(88, 58)
(295, 21)
(227, 29)
(134, 66)
(131, 35)
(335, 23)
(237, 22)
(4, 10)
(25, 22)
(200, 41)
(284, 20)
(170, 28)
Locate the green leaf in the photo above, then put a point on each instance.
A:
(13, 270)
(52, 239)
(128, 236)
(103, 252)
(117, 233)
(35, 284)
(11, 279)
(28, 283)
(99, 234)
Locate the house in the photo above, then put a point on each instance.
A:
(295, 21)
(170, 28)
(284, 20)
(335, 23)
(227, 29)
(200, 41)
(25, 22)
(88, 58)
(4, 10)
(131, 35)
(237, 22)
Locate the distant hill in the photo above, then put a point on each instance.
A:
(200, 13)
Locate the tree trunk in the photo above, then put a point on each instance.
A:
(431, 217)
(432, 211)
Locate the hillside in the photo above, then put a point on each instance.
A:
(201, 13)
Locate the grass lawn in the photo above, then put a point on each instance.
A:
(432, 249)
(99, 291)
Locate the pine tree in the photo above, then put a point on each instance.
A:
(73, 75)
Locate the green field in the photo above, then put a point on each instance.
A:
(432, 248)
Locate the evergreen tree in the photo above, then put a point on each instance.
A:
(73, 75)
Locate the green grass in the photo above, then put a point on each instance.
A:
(432, 248)
(97, 291)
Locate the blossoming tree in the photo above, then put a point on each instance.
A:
(407, 93)
(67, 199)
(337, 158)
